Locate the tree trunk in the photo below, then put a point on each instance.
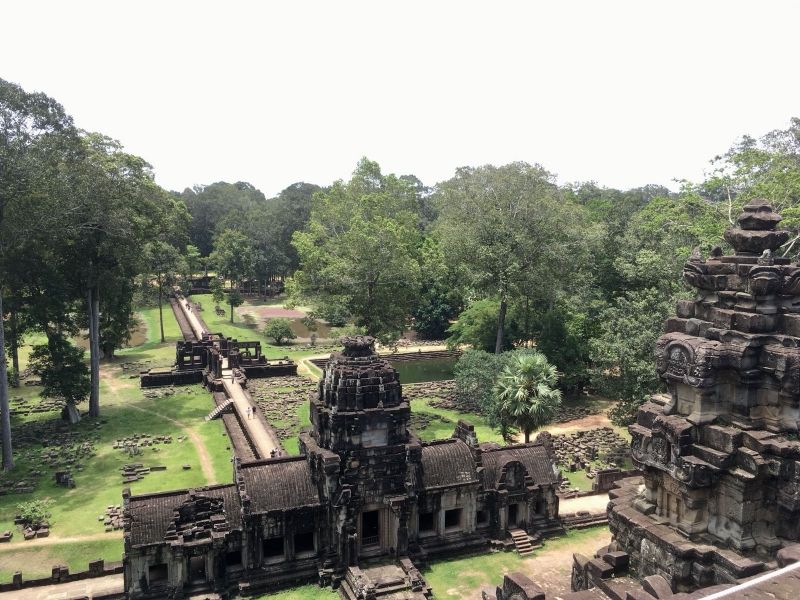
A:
(501, 325)
(14, 350)
(71, 413)
(527, 436)
(94, 350)
(231, 312)
(5, 411)
(160, 313)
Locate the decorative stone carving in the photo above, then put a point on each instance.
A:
(719, 453)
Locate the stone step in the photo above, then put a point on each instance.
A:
(522, 541)
(219, 410)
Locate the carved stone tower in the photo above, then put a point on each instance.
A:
(719, 453)
(360, 432)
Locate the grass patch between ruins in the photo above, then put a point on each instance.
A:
(125, 410)
(443, 421)
(36, 561)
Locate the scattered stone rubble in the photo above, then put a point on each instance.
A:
(590, 448)
(279, 399)
(136, 471)
(112, 519)
(166, 391)
(30, 531)
(134, 444)
(27, 406)
(48, 446)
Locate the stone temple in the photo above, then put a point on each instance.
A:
(718, 505)
(719, 452)
(364, 492)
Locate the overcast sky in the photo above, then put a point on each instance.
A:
(623, 93)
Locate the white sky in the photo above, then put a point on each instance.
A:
(624, 93)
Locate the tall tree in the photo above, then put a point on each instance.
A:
(31, 125)
(164, 262)
(232, 256)
(511, 229)
(62, 370)
(216, 207)
(117, 208)
(359, 253)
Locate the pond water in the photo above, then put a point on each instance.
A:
(301, 331)
(425, 369)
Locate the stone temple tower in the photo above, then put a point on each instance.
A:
(361, 454)
(719, 452)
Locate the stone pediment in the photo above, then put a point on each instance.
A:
(689, 359)
(197, 518)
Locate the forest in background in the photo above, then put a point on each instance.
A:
(497, 257)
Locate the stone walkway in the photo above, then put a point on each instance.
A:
(194, 321)
(259, 435)
(98, 587)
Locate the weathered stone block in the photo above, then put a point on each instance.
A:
(788, 555)
(724, 439)
(685, 309)
(600, 569)
(657, 586)
(618, 560)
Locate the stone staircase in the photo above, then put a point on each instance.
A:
(219, 410)
(522, 542)
(397, 581)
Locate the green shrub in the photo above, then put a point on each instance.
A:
(280, 330)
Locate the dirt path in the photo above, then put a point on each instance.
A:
(583, 424)
(552, 568)
(54, 539)
(597, 503)
(590, 422)
(205, 458)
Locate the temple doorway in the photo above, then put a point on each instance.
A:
(197, 569)
(513, 510)
(370, 528)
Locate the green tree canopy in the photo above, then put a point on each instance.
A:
(63, 372)
(280, 330)
(359, 253)
(526, 392)
(513, 231)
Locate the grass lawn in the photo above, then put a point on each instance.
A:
(577, 479)
(463, 577)
(125, 410)
(303, 592)
(291, 444)
(36, 562)
(443, 426)
(245, 329)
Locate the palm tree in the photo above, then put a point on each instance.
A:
(526, 392)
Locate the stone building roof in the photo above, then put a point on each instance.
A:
(533, 457)
(279, 484)
(447, 463)
(150, 515)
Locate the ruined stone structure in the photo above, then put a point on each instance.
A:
(364, 488)
(720, 453)
(202, 361)
(718, 502)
